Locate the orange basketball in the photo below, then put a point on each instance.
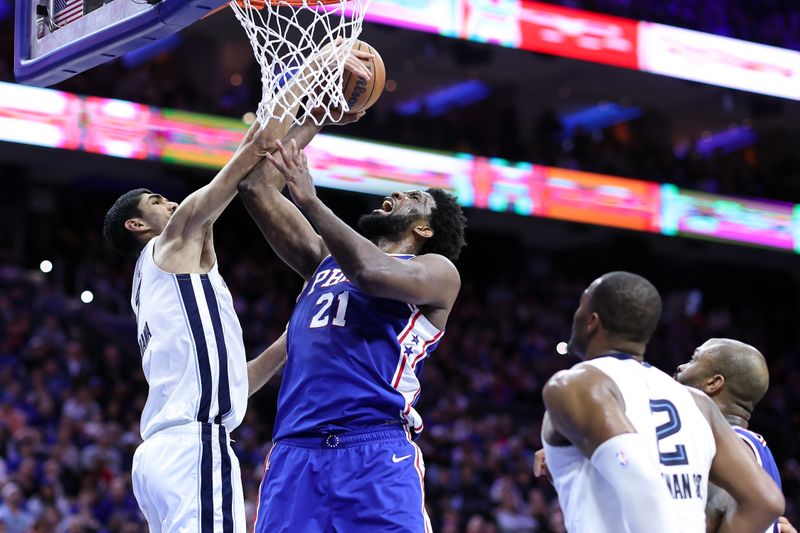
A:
(362, 94)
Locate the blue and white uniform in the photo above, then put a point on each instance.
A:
(344, 458)
(679, 441)
(764, 458)
(185, 474)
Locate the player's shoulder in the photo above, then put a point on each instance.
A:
(751, 437)
(583, 379)
(440, 268)
(437, 261)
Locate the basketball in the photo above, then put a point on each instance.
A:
(362, 94)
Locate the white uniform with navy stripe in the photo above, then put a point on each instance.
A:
(185, 474)
(680, 443)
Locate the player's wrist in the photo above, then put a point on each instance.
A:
(311, 204)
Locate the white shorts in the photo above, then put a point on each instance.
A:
(187, 478)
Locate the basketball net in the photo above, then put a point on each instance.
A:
(301, 46)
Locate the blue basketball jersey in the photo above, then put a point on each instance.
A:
(764, 457)
(353, 360)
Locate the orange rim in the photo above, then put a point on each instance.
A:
(298, 3)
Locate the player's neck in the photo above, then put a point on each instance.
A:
(403, 246)
(634, 349)
(735, 415)
(737, 421)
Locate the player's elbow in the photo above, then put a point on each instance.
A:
(774, 501)
(247, 187)
(766, 503)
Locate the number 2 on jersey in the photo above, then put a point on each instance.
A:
(669, 428)
(322, 316)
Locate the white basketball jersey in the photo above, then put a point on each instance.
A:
(191, 346)
(680, 442)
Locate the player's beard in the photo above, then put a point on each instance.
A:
(375, 226)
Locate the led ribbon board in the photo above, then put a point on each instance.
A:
(55, 119)
(617, 41)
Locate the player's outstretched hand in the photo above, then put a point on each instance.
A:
(294, 167)
(784, 526)
(540, 465)
(336, 117)
(354, 63)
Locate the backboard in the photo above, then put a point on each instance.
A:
(56, 39)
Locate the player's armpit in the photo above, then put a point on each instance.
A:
(759, 502)
(586, 407)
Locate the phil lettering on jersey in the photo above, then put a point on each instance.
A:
(327, 278)
(680, 485)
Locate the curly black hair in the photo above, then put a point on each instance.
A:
(126, 207)
(448, 223)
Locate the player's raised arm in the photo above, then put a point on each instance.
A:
(201, 208)
(759, 502)
(286, 229)
(585, 407)
(429, 279)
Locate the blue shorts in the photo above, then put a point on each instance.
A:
(369, 480)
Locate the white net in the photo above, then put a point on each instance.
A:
(302, 50)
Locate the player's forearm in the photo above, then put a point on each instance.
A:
(749, 518)
(265, 173)
(286, 230)
(261, 369)
(357, 256)
(625, 463)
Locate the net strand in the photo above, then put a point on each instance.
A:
(302, 50)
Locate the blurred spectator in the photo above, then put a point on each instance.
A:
(13, 514)
(72, 391)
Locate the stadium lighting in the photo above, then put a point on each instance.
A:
(87, 297)
(46, 266)
(561, 348)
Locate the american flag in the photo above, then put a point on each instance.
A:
(67, 10)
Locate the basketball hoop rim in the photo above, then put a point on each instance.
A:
(310, 3)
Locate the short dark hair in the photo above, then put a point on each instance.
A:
(448, 223)
(120, 238)
(628, 305)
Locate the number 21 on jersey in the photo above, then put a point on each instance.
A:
(323, 315)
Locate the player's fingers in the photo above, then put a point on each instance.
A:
(362, 54)
(285, 154)
(251, 132)
(295, 151)
(303, 158)
(784, 526)
(357, 67)
(277, 164)
(539, 464)
(350, 118)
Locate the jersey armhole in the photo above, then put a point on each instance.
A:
(752, 447)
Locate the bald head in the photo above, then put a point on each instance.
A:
(744, 369)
